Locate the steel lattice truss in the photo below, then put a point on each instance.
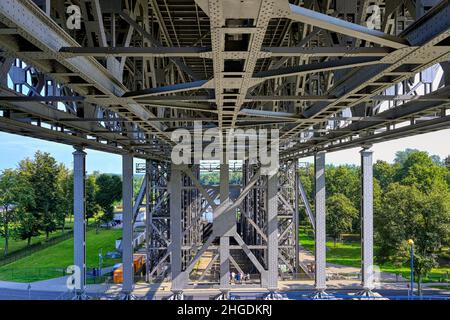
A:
(138, 69)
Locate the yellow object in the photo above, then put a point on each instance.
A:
(410, 242)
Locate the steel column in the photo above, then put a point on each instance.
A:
(148, 217)
(272, 232)
(176, 229)
(367, 219)
(127, 231)
(296, 218)
(224, 251)
(79, 214)
(320, 210)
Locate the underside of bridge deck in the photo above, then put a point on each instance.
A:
(311, 76)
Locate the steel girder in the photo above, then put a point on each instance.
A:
(271, 33)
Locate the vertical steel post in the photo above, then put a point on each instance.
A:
(296, 218)
(367, 220)
(148, 217)
(272, 231)
(320, 243)
(79, 217)
(127, 231)
(175, 185)
(224, 249)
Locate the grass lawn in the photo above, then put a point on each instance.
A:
(17, 244)
(51, 262)
(349, 254)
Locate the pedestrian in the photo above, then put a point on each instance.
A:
(233, 275)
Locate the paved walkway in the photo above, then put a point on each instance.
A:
(52, 285)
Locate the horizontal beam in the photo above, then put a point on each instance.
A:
(328, 51)
(134, 51)
(180, 87)
(337, 64)
(205, 52)
(41, 98)
(333, 24)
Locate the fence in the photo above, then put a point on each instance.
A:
(24, 252)
(35, 247)
(31, 274)
(26, 275)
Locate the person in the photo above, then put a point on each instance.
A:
(233, 275)
(248, 276)
(238, 277)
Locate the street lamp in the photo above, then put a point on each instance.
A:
(411, 258)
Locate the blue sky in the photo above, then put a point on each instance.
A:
(14, 148)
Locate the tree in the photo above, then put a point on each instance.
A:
(28, 226)
(340, 215)
(64, 195)
(421, 171)
(109, 191)
(91, 191)
(408, 213)
(15, 195)
(42, 174)
(401, 156)
(447, 162)
(99, 217)
(344, 180)
(384, 173)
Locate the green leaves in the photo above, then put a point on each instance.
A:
(340, 215)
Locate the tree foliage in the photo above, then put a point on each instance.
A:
(340, 215)
(37, 197)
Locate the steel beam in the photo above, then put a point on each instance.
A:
(332, 24)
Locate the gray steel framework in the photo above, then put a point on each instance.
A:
(139, 69)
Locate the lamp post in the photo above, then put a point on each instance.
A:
(411, 253)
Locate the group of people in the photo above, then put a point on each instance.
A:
(239, 278)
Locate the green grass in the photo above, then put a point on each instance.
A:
(349, 254)
(17, 244)
(50, 262)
